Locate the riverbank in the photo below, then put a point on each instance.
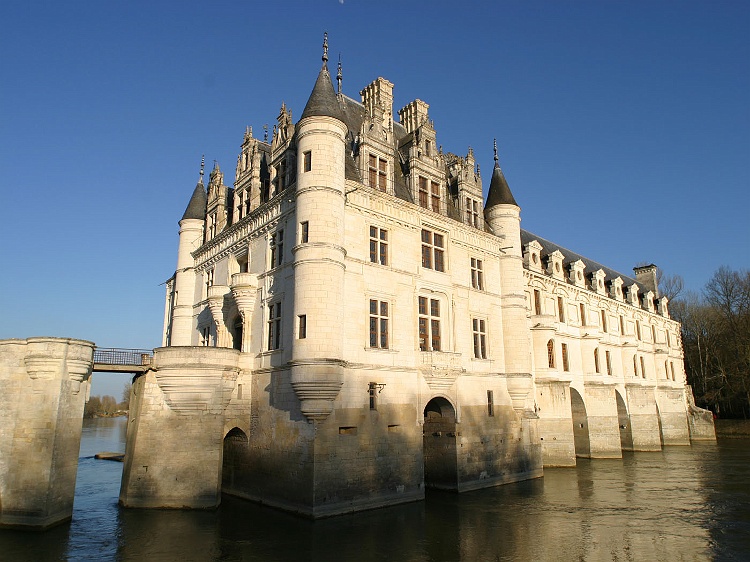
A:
(732, 428)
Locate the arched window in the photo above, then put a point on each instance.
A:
(551, 354)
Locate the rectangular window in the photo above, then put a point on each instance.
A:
(477, 275)
(560, 309)
(583, 314)
(304, 232)
(566, 366)
(433, 250)
(378, 324)
(240, 204)
(537, 302)
(604, 321)
(277, 248)
(472, 212)
(211, 225)
(377, 172)
(206, 336)
(378, 245)
(596, 360)
(608, 357)
(281, 176)
(643, 367)
(372, 390)
(423, 192)
(435, 197)
(638, 329)
(209, 279)
(671, 368)
(429, 324)
(480, 338)
(274, 326)
(302, 326)
(622, 325)
(308, 161)
(490, 403)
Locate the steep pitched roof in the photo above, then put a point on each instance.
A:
(499, 193)
(196, 209)
(323, 100)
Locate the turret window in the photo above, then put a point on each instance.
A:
(429, 324)
(608, 355)
(307, 156)
(560, 309)
(378, 172)
(566, 365)
(433, 250)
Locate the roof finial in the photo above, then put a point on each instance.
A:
(203, 165)
(339, 76)
(497, 164)
(325, 50)
(265, 133)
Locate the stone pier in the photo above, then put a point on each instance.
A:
(43, 389)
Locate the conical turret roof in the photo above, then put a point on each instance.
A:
(196, 209)
(499, 193)
(323, 101)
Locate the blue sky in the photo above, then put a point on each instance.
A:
(623, 129)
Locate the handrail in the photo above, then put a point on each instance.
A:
(122, 356)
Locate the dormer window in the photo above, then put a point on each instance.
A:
(377, 172)
(472, 212)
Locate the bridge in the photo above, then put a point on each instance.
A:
(119, 360)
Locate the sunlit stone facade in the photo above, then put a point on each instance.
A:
(393, 328)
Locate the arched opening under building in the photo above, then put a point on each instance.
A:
(439, 449)
(233, 459)
(580, 425)
(623, 420)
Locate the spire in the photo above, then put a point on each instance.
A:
(323, 101)
(196, 209)
(499, 193)
(339, 76)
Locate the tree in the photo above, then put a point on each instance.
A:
(93, 407)
(670, 286)
(125, 404)
(716, 342)
(109, 404)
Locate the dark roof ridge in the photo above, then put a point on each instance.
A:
(571, 256)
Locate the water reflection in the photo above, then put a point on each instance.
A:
(679, 504)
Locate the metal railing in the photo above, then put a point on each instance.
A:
(119, 356)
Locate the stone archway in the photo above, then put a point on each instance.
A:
(439, 445)
(233, 459)
(580, 425)
(623, 421)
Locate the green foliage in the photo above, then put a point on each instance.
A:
(716, 340)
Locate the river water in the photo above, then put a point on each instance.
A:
(684, 503)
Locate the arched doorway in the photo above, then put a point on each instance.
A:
(439, 445)
(623, 420)
(580, 425)
(235, 452)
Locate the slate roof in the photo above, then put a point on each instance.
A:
(196, 209)
(499, 193)
(570, 257)
(323, 100)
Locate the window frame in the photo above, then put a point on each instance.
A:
(274, 311)
(479, 337)
(429, 318)
(433, 252)
(379, 324)
(378, 245)
(477, 274)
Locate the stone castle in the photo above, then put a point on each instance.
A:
(352, 322)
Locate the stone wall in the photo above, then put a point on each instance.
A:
(43, 389)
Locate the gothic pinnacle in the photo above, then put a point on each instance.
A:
(203, 165)
(497, 163)
(339, 76)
